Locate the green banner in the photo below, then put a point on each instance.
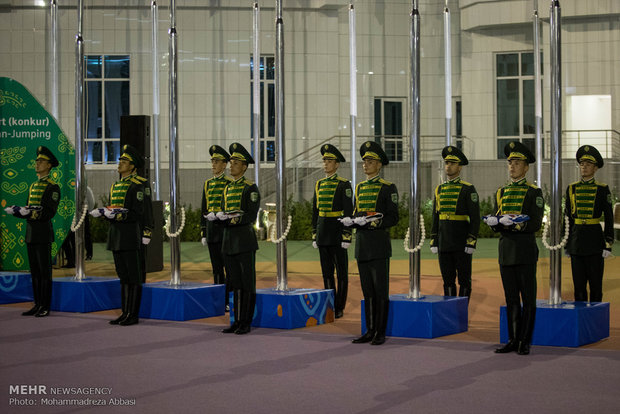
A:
(24, 125)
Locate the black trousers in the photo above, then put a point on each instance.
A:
(374, 278)
(453, 265)
(40, 258)
(335, 257)
(217, 263)
(128, 265)
(519, 283)
(588, 270)
(241, 270)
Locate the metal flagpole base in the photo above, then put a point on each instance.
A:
(291, 309)
(182, 302)
(569, 324)
(429, 316)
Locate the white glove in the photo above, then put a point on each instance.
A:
(109, 213)
(345, 245)
(95, 213)
(606, 254)
(360, 221)
(146, 240)
(434, 250)
(506, 220)
(221, 215)
(24, 211)
(203, 241)
(211, 216)
(470, 250)
(9, 210)
(316, 246)
(491, 221)
(346, 221)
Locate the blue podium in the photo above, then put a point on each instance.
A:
(428, 317)
(15, 287)
(294, 308)
(184, 302)
(90, 294)
(570, 324)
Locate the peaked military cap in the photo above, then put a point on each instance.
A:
(590, 154)
(330, 152)
(44, 153)
(372, 150)
(132, 155)
(452, 153)
(515, 150)
(218, 153)
(238, 152)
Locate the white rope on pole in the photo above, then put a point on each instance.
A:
(75, 227)
(281, 239)
(422, 238)
(178, 232)
(564, 240)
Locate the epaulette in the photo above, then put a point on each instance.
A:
(382, 181)
(600, 184)
(227, 178)
(51, 182)
(575, 183)
(248, 182)
(466, 183)
(342, 179)
(534, 186)
(135, 180)
(141, 178)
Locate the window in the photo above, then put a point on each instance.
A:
(267, 100)
(389, 126)
(106, 92)
(515, 107)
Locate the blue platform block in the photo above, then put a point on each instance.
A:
(570, 324)
(90, 294)
(15, 287)
(295, 308)
(428, 317)
(188, 301)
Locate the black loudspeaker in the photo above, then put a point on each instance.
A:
(136, 131)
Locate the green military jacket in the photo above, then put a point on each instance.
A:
(333, 199)
(46, 194)
(456, 216)
(375, 196)
(239, 234)
(212, 192)
(125, 232)
(585, 203)
(517, 244)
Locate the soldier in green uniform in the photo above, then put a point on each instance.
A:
(376, 210)
(211, 228)
(125, 211)
(41, 207)
(333, 199)
(518, 253)
(588, 244)
(240, 204)
(456, 220)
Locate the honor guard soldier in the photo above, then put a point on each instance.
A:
(376, 210)
(588, 244)
(520, 208)
(211, 228)
(41, 206)
(333, 199)
(146, 223)
(240, 204)
(456, 221)
(125, 211)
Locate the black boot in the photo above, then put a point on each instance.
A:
(237, 310)
(369, 311)
(527, 328)
(133, 305)
(124, 300)
(247, 313)
(464, 291)
(449, 290)
(33, 311)
(381, 317)
(45, 286)
(513, 316)
(341, 297)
